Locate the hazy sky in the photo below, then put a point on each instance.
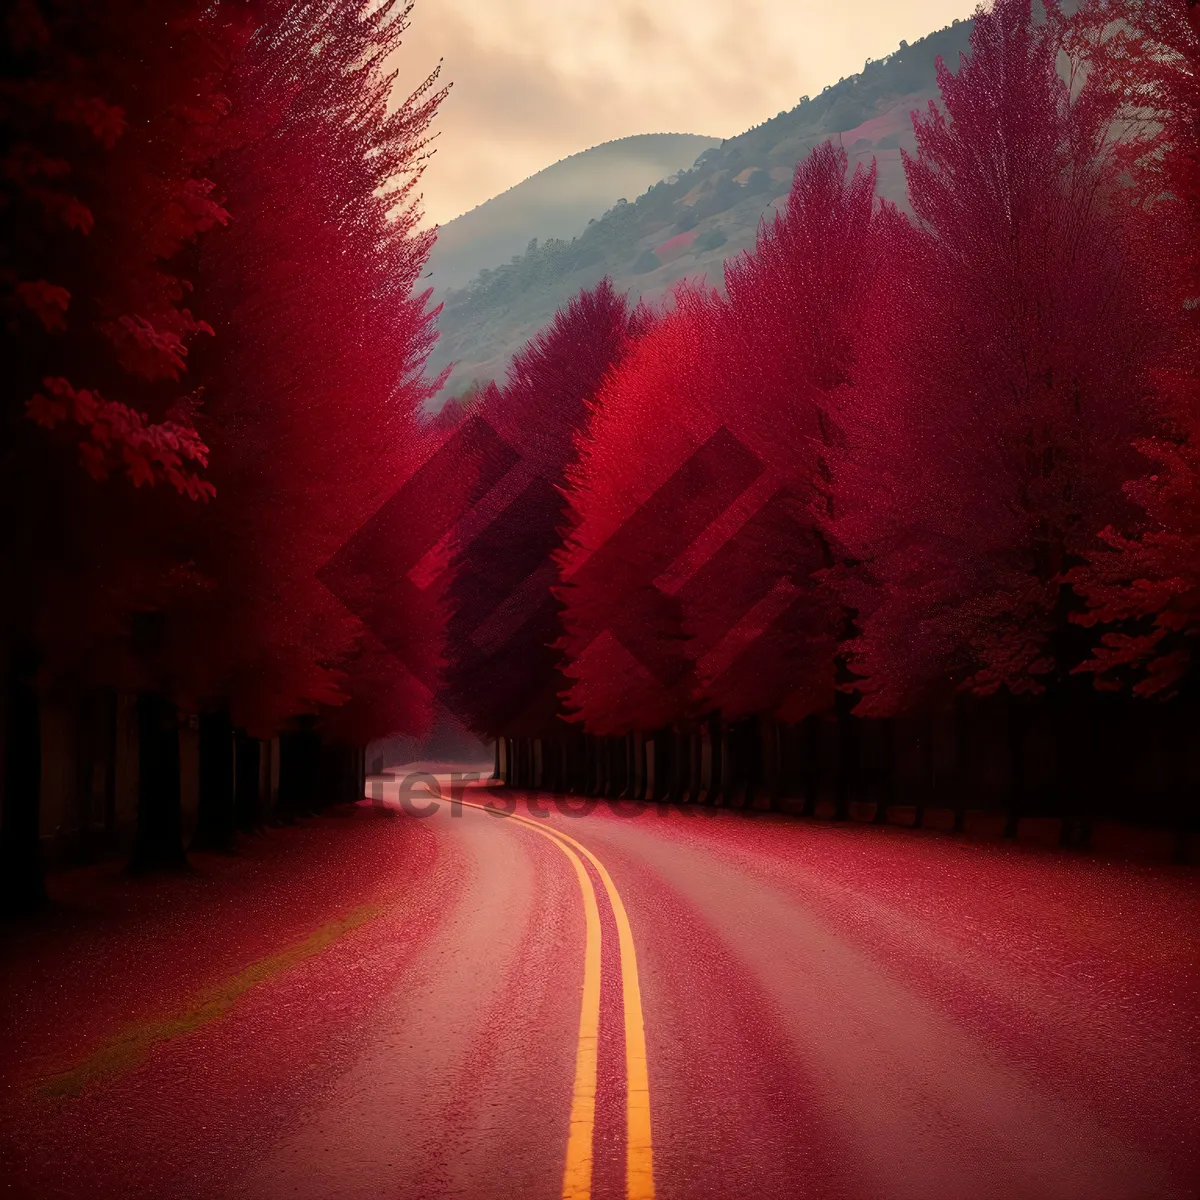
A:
(537, 80)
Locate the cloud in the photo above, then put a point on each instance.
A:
(537, 80)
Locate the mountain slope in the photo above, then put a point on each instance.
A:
(557, 202)
(688, 223)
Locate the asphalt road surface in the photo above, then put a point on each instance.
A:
(673, 1003)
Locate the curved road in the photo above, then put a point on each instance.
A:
(548, 1002)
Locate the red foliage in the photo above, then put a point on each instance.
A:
(764, 624)
(107, 119)
(644, 487)
(926, 423)
(503, 674)
(703, 474)
(109, 114)
(148, 452)
(314, 380)
(1007, 381)
(1147, 582)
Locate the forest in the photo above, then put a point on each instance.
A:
(908, 513)
(214, 347)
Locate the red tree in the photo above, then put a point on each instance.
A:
(313, 383)
(649, 480)
(108, 122)
(1147, 581)
(703, 476)
(503, 671)
(1007, 382)
(108, 115)
(109, 119)
(765, 625)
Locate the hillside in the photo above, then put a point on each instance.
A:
(557, 202)
(690, 221)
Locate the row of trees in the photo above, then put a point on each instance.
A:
(905, 465)
(214, 346)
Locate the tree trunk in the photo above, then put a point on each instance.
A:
(159, 840)
(962, 766)
(22, 888)
(627, 759)
(773, 760)
(593, 765)
(653, 766)
(96, 770)
(299, 769)
(1087, 781)
(928, 772)
(847, 755)
(664, 760)
(887, 775)
(695, 777)
(748, 746)
(284, 812)
(247, 802)
(314, 795)
(728, 768)
(710, 767)
(812, 765)
(656, 765)
(679, 766)
(1183, 789)
(638, 791)
(619, 784)
(216, 816)
(740, 784)
(568, 776)
(336, 773)
(1017, 721)
(1068, 762)
(748, 743)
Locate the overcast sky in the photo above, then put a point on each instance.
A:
(537, 80)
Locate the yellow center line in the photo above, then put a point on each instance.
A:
(577, 1175)
(639, 1154)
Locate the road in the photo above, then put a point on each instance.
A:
(669, 1003)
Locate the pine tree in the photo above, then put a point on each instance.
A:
(1007, 383)
(650, 478)
(765, 621)
(1145, 581)
(503, 668)
(314, 382)
(109, 119)
(109, 115)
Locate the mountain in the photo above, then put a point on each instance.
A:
(690, 220)
(557, 202)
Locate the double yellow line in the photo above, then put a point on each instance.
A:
(639, 1157)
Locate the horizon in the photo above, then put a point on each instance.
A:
(526, 94)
